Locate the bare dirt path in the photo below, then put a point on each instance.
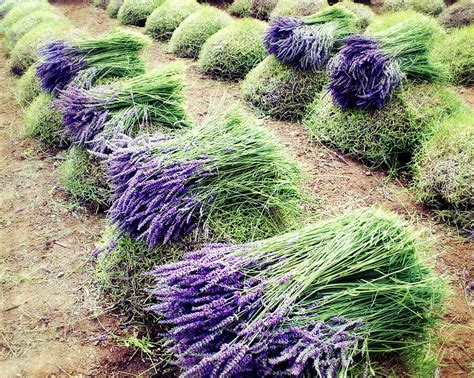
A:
(49, 321)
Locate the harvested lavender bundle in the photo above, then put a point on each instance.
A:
(310, 302)
(114, 54)
(226, 173)
(369, 68)
(309, 42)
(152, 99)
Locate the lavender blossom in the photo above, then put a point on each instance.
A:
(60, 65)
(209, 302)
(153, 199)
(362, 75)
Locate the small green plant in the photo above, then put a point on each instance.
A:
(297, 8)
(44, 122)
(240, 8)
(135, 12)
(234, 50)
(444, 170)
(455, 51)
(457, 15)
(388, 137)
(281, 91)
(83, 178)
(188, 39)
(166, 18)
(100, 3)
(28, 87)
(113, 8)
(25, 52)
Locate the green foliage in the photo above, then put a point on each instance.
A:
(120, 277)
(364, 13)
(282, 91)
(262, 9)
(135, 12)
(234, 50)
(297, 8)
(240, 8)
(457, 15)
(28, 88)
(166, 18)
(27, 23)
(100, 3)
(84, 179)
(188, 39)
(114, 7)
(22, 9)
(44, 122)
(444, 170)
(25, 52)
(456, 51)
(390, 136)
(430, 7)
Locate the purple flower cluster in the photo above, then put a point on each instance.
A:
(210, 304)
(84, 115)
(362, 76)
(301, 46)
(59, 66)
(153, 199)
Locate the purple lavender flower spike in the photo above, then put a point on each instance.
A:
(153, 200)
(59, 66)
(362, 75)
(209, 302)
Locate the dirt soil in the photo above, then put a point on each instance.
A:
(51, 322)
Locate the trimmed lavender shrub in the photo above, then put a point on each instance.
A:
(297, 8)
(100, 3)
(444, 171)
(188, 39)
(457, 15)
(308, 43)
(306, 303)
(23, 9)
(388, 137)
(262, 9)
(166, 18)
(227, 177)
(234, 50)
(28, 87)
(282, 91)
(429, 7)
(135, 12)
(240, 8)
(44, 122)
(364, 13)
(27, 23)
(114, 54)
(147, 101)
(114, 7)
(83, 178)
(455, 51)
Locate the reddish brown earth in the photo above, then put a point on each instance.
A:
(51, 322)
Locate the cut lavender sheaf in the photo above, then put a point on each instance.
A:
(308, 43)
(362, 75)
(144, 102)
(310, 302)
(227, 168)
(115, 54)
